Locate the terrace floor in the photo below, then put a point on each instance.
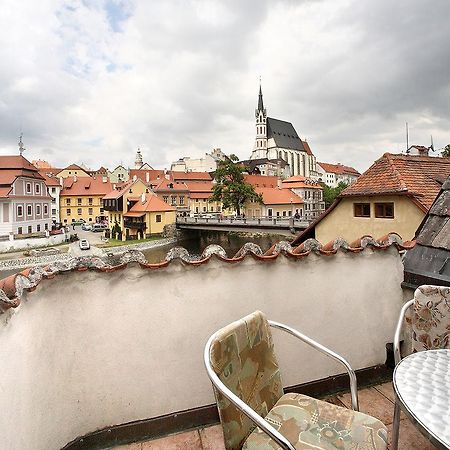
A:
(378, 401)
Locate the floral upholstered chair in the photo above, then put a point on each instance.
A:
(430, 330)
(254, 412)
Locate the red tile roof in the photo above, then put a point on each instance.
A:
(12, 167)
(169, 186)
(85, 186)
(195, 186)
(4, 192)
(419, 177)
(307, 148)
(261, 181)
(151, 204)
(141, 173)
(190, 176)
(119, 191)
(338, 169)
(277, 196)
(49, 180)
(299, 181)
(11, 287)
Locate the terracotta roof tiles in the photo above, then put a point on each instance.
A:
(338, 169)
(85, 186)
(278, 196)
(12, 287)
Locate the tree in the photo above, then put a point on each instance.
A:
(330, 193)
(446, 152)
(230, 188)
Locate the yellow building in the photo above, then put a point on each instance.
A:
(134, 211)
(81, 198)
(393, 195)
(72, 171)
(276, 203)
(199, 195)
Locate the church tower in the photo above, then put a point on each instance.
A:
(260, 149)
(138, 161)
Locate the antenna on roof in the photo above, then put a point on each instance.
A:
(21, 147)
(431, 147)
(407, 139)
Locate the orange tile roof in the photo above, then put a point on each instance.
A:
(12, 167)
(307, 148)
(151, 204)
(4, 192)
(141, 173)
(194, 186)
(298, 181)
(49, 180)
(419, 177)
(277, 196)
(261, 181)
(170, 186)
(85, 186)
(200, 195)
(190, 176)
(338, 169)
(119, 191)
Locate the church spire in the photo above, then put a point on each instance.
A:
(260, 97)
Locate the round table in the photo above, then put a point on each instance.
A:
(422, 386)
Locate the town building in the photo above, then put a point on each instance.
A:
(134, 211)
(333, 174)
(24, 200)
(174, 193)
(200, 193)
(81, 198)
(119, 175)
(196, 177)
(148, 175)
(267, 167)
(310, 191)
(276, 202)
(262, 181)
(206, 164)
(41, 164)
(101, 172)
(54, 187)
(393, 195)
(73, 170)
(277, 139)
(139, 162)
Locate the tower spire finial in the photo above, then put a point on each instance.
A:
(21, 147)
(260, 97)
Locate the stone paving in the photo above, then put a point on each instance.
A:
(378, 401)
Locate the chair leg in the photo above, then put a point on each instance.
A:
(395, 426)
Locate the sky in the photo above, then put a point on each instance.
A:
(92, 81)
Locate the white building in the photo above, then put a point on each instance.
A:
(333, 174)
(54, 186)
(206, 164)
(119, 175)
(24, 200)
(278, 139)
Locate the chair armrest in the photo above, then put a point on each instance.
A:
(398, 330)
(242, 406)
(328, 352)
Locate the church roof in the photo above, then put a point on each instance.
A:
(284, 134)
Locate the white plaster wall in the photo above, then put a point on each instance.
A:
(87, 350)
(23, 244)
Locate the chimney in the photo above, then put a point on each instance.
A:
(134, 177)
(147, 177)
(143, 198)
(74, 178)
(167, 176)
(105, 179)
(61, 181)
(114, 187)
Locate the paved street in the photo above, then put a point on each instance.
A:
(93, 238)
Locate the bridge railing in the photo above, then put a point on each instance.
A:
(274, 221)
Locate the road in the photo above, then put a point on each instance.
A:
(93, 238)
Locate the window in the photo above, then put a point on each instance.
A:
(53, 190)
(46, 226)
(361, 209)
(79, 211)
(284, 213)
(79, 201)
(19, 230)
(38, 228)
(90, 211)
(28, 188)
(269, 212)
(45, 209)
(38, 210)
(166, 198)
(37, 188)
(204, 209)
(29, 210)
(67, 201)
(30, 229)
(181, 199)
(53, 212)
(278, 213)
(68, 211)
(19, 211)
(90, 200)
(384, 210)
(158, 217)
(173, 200)
(102, 210)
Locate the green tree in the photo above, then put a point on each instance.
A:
(446, 151)
(330, 193)
(230, 187)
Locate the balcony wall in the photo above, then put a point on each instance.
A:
(87, 350)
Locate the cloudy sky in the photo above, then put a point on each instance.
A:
(91, 81)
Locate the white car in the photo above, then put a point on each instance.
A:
(84, 244)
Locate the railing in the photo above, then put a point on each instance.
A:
(264, 222)
(135, 224)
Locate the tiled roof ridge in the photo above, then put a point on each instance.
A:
(13, 286)
(397, 174)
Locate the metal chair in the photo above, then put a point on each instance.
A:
(430, 330)
(243, 368)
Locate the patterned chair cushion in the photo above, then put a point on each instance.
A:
(242, 356)
(314, 424)
(431, 318)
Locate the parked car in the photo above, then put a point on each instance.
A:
(78, 221)
(99, 227)
(86, 227)
(84, 244)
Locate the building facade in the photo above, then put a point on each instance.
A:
(24, 200)
(277, 139)
(206, 164)
(333, 174)
(119, 175)
(54, 187)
